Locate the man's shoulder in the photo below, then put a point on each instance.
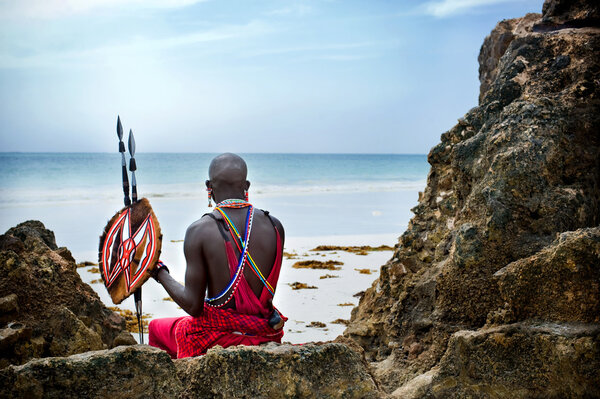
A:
(200, 229)
(273, 220)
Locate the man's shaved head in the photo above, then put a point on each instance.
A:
(227, 174)
(228, 168)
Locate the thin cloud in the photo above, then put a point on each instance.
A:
(139, 45)
(446, 8)
(50, 9)
(312, 48)
(293, 10)
(347, 57)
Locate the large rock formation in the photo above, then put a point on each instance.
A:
(46, 310)
(500, 266)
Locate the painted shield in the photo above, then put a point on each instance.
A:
(129, 249)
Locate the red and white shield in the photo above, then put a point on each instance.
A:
(129, 247)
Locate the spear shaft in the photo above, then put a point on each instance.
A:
(137, 294)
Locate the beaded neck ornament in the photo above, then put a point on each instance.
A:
(233, 203)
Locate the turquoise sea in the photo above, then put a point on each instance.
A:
(312, 194)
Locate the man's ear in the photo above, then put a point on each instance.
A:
(207, 183)
(247, 185)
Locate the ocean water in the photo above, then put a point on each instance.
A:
(60, 177)
(74, 194)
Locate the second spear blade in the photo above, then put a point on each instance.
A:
(120, 130)
(126, 199)
(132, 166)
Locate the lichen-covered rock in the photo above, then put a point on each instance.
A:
(515, 172)
(47, 309)
(543, 360)
(124, 372)
(329, 370)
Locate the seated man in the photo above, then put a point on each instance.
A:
(234, 256)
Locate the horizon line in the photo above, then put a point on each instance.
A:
(210, 152)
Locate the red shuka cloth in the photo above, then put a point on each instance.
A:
(246, 325)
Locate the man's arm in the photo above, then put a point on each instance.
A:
(191, 296)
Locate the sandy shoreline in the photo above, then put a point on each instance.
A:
(312, 311)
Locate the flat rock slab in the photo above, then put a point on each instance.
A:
(330, 370)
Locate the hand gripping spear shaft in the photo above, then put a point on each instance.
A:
(137, 295)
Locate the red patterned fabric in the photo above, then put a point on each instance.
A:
(225, 327)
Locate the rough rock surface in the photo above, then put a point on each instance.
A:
(507, 229)
(330, 370)
(570, 271)
(46, 310)
(523, 360)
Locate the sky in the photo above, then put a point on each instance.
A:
(307, 76)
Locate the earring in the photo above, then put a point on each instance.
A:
(246, 195)
(209, 190)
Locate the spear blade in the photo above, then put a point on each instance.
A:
(131, 143)
(119, 128)
(126, 199)
(132, 166)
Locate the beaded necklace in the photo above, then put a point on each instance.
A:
(238, 203)
(238, 240)
(234, 203)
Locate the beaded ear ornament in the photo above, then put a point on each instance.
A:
(209, 190)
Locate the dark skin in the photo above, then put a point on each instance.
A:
(204, 248)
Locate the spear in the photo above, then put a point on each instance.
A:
(123, 163)
(137, 295)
